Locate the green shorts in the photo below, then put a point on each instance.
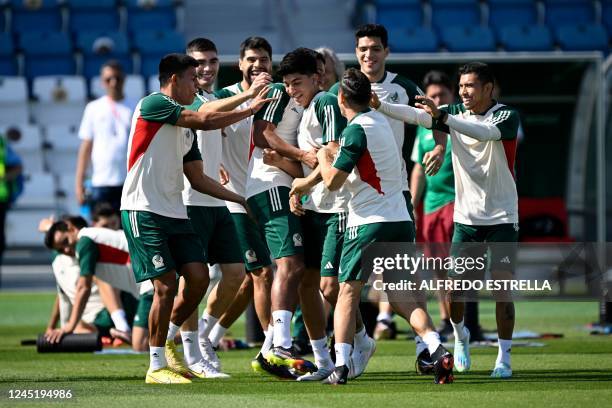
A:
(159, 244)
(357, 238)
(132, 308)
(141, 318)
(323, 239)
(281, 228)
(475, 241)
(250, 243)
(215, 227)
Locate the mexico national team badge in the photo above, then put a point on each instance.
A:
(297, 240)
(158, 261)
(250, 256)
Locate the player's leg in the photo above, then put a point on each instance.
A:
(140, 330)
(112, 302)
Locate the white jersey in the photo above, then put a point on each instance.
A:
(156, 153)
(210, 146)
(236, 147)
(368, 153)
(322, 123)
(285, 114)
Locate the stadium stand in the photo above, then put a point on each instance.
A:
(134, 87)
(395, 14)
(159, 14)
(413, 39)
(13, 101)
(526, 38)
(29, 147)
(8, 64)
(59, 99)
(62, 144)
(582, 37)
(449, 13)
(93, 14)
(40, 15)
(468, 38)
(98, 47)
(559, 12)
(47, 53)
(153, 45)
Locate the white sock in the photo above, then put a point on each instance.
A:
(120, 320)
(384, 316)
(343, 354)
(420, 345)
(172, 330)
(321, 353)
(157, 358)
(267, 344)
(206, 324)
(282, 328)
(216, 334)
(361, 339)
(458, 330)
(432, 339)
(503, 351)
(191, 348)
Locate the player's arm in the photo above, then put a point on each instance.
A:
(335, 171)
(333, 177)
(417, 183)
(232, 102)
(291, 167)
(83, 158)
(194, 171)
(402, 112)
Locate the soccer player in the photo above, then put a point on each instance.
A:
(334, 68)
(100, 256)
(161, 239)
(483, 134)
(367, 163)
(372, 50)
(324, 212)
(210, 216)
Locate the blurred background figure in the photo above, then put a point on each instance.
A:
(334, 68)
(11, 182)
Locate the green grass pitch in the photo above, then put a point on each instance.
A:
(575, 371)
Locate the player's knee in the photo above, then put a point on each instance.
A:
(166, 289)
(330, 289)
(263, 278)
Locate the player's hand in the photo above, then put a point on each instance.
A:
(261, 99)
(295, 205)
(262, 80)
(80, 194)
(271, 157)
(374, 101)
(299, 188)
(224, 177)
(325, 153)
(433, 160)
(309, 158)
(55, 335)
(250, 214)
(45, 223)
(428, 106)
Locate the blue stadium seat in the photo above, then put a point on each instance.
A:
(606, 15)
(153, 45)
(93, 15)
(583, 37)
(448, 13)
(94, 58)
(399, 14)
(47, 17)
(511, 12)
(47, 53)
(526, 38)
(7, 55)
(156, 15)
(560, 12)
(415, 39)
(468, 38)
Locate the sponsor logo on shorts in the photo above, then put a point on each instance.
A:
(136, 318)
(158, 261)
(297, 240)
(250, 256)
(505, 260)
(516, 226)
(329, 265)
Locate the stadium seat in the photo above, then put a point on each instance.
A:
(155, 44)
(468, 38)
(150, 13)
(606, 15)
(504, 13)
(153, 84)
(448, 13)
(526, 38)
(414, 39)
(8, 64)
(13, 101)
(395, 14)
(98, 47)
(39, 191)
(93, 15)
(339, 41)
(62, 142)
(29, 147)
(60, 99)
(561, 12)
(47, 53)
(134, 87)
(29, 16)
(583, 37)
(22, 225)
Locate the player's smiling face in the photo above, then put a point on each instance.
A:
(186, 86)
(302, 88)
(207, 70)
(475, 95)
(65, 241)
(254, 62)
(371, 55)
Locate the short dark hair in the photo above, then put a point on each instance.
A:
(356, 88)
(50, 234)
(174, 64)
(255, 43)
(437, 78)
(299, 61)
(482, 71)
(200, 45)
(102, 209)
(114, 65)
(372, 30)
(76, 220)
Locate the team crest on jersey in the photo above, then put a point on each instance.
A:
(394, 97)
(516, 226)
(158, 261)
(297, 240)
(250, 256)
